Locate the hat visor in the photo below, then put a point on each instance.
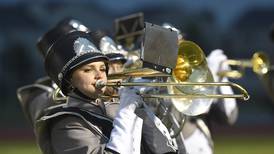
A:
(87, 58)
(116, 57)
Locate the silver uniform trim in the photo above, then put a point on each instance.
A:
(29, 87)
(97, 130)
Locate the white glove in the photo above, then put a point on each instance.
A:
(230, 104)
(129, 98)
(143, 89)
(215, 63)
(126, 134)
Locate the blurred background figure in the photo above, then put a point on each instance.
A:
(238, 27)
(34, 98)
(268, 78)
(196, 129)
(115, 54)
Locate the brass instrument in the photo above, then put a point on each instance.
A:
(259, 63)
(190, 87)
(244, 95)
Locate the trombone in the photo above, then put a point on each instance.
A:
(100, 84)
(259, 63)
(191, 70)
(244, 94)
(191, 80)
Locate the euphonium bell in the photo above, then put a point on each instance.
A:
(191, 67)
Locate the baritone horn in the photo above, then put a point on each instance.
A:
(259, 63)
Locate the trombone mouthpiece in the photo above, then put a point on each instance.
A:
(100, 84)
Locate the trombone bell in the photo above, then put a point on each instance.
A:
(260, 63)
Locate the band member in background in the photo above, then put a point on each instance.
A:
(223, 111)
(196, 129)
(116, 55)
(268, 78)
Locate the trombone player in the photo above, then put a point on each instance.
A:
(73, 130)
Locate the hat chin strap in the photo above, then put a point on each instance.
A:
(66, 86)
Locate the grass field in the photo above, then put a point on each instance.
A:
(244, 145)
(18, 147)
(223, 145)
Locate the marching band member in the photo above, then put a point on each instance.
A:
(83, 124)
(197, 131)
(226, 111)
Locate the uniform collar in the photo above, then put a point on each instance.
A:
(80, 94)
(104, 108)
(75, 100)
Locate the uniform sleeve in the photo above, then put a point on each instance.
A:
(218, 114)
(153, 136)
(225, 111)
(71, 135)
